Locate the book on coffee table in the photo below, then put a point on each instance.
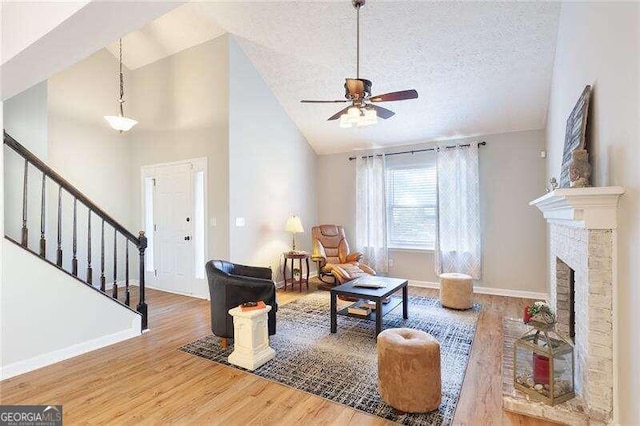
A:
(369, 282)
(359, 308)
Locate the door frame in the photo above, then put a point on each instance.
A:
(200, 164)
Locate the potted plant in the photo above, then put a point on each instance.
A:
(539, 312)
(296, 274)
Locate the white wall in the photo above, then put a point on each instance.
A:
(48, 316)
(181, 103)
(25, 23)
(513, 234)
(272, 170)
(598, 44)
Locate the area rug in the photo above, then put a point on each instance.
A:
(342, 367)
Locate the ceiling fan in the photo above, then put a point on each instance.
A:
(363, 110)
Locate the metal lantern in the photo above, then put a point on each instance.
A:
(543, 365)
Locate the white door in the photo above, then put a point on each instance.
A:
(173, 217)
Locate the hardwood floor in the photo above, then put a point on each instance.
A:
(147, 380)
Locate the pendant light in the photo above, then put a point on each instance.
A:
(120, 122)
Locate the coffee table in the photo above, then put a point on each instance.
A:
(375, 294)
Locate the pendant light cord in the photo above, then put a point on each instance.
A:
(358, 42)
(121, 84)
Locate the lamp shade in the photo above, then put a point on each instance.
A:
(358, 117)
(294, 225)
(120, 123)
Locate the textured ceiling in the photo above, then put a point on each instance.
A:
(480, 68)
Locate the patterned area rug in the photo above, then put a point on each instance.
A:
(342, 367)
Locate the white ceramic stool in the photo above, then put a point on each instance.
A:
(250, 338)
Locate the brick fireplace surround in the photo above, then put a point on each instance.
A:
(582, 238)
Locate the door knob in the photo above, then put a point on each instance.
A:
(187, 238)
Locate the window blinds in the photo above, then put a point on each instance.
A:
(411, 202)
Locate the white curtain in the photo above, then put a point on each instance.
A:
(371, 211)
(458, 244)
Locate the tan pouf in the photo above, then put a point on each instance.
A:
(409, 370)
(456, 290)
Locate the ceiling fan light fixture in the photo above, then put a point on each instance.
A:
(363, 110)
(358, 117)
(370, 116)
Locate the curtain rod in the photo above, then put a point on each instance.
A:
(415, 150)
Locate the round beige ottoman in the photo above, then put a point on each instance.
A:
(456, 290)
(409, 370)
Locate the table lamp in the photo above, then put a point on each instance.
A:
(294, 226)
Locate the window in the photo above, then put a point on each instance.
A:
(198, 224)
(411, 205)
(148, 221)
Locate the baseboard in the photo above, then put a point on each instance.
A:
(44, 360)
(197, 296)
(488, 290)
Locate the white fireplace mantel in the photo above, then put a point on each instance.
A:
(590, 208)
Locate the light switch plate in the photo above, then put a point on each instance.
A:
(239, 221)
(213, 221)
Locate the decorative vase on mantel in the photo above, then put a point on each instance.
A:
(580, 169)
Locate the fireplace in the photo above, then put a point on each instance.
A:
(582, 224)
(565, 300)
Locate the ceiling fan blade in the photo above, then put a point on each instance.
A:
(338, 114)
(382, 112)
(395, 96)
(324, 102)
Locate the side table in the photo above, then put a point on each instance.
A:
(250, 338)
(300, 256)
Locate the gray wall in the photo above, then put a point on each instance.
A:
(25, 119)
(513, 234)
(272, 169)
(87, 152)
(185, 111)
(598, 44)
(61, 121)
(181, 103)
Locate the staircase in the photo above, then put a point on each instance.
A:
(120, 288)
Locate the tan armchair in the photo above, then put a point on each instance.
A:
(331, 252)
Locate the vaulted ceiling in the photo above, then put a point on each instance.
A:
(479, 67)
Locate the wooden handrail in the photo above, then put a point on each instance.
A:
(68, 187)
(140, 241)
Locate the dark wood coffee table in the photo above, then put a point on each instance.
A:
(375, 294)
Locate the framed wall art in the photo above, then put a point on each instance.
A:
(575, 136)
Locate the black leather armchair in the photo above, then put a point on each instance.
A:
(231, 285)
